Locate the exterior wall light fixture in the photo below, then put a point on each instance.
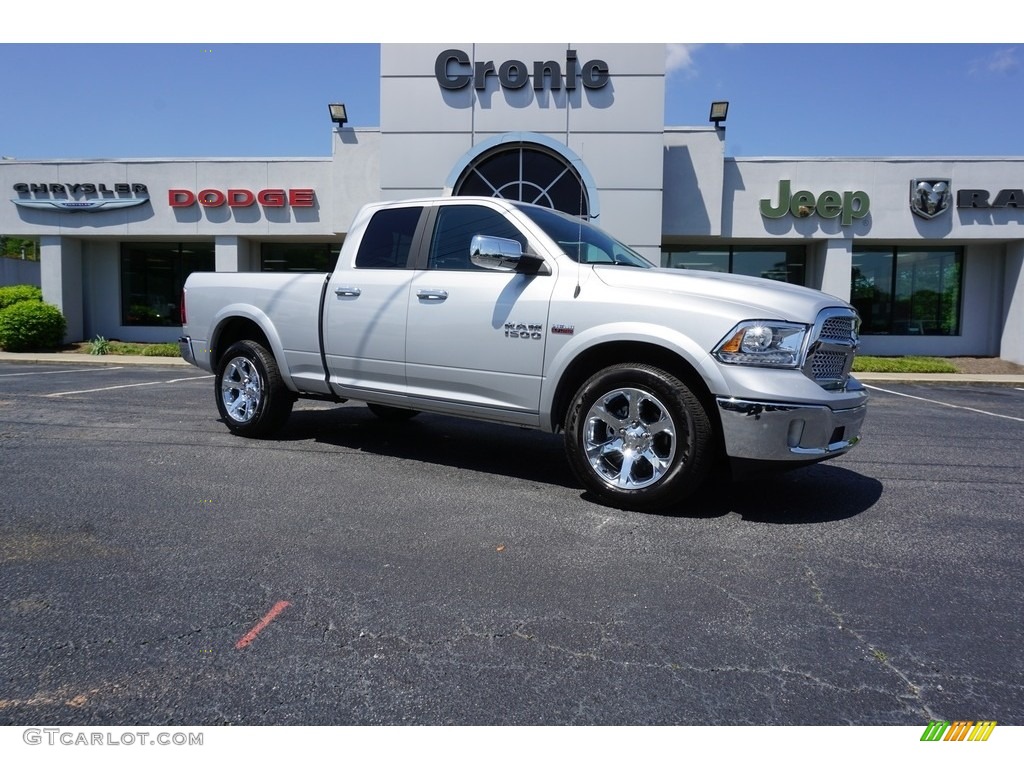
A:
(719, 111)
(338, 114)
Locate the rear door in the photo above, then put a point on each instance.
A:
(367, 303)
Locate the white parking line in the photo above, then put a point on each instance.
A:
(126, 386)
(948, 405)
(70, 370)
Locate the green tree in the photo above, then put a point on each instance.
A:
(14, 247)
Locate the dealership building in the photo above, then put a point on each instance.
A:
(929, 250)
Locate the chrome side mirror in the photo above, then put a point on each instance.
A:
(504, 255)
(496, 253)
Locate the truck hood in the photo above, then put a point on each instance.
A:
(767, 299)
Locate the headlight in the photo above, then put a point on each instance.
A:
(763, 342)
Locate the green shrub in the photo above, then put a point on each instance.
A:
(12, 294)
(30, 325)
(99, 346)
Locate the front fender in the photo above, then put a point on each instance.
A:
(672, 341)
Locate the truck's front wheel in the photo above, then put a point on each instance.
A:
(251, 395)
(638, 437)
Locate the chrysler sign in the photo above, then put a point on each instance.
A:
(76, 197)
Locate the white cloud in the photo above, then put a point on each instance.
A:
(1001, 62)
(679, 58)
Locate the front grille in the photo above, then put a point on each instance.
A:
(829, 365)
(839, 329)
(833, 345)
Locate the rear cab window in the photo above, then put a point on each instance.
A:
(388, 238)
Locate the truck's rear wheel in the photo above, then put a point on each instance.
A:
(251, 395)
(638, 437)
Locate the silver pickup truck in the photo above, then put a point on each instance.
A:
(513, 313)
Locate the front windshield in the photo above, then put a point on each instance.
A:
(581, 241)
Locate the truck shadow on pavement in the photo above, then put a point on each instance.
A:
(819, 493)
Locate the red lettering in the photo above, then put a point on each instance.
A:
(180, 198)
(240, 198)
(271, 198)
(211, 198)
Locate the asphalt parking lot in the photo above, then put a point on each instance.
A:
(155, 569)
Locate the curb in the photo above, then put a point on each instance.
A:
(1008, 379)
(67, 358)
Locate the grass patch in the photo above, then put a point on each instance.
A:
(868, 364)
(101, 346)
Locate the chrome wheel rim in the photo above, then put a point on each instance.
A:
(630, 438)
(241, 389)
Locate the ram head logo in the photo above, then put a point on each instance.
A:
(930, 197)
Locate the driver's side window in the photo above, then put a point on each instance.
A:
(454, 230)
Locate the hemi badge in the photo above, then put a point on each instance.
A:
(566, 330)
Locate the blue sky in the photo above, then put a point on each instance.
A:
(78, 92)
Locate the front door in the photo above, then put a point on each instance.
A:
(475, 335)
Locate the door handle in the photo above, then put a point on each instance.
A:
(432, 294)
(344, 290)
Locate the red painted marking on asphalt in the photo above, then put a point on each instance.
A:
(271, 615)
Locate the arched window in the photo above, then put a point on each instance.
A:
(528, 173)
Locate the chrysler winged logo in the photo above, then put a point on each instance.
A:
(81, 205)
(930, 197)
(77, 196)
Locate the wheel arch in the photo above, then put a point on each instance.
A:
(598, 357)
(236, 325)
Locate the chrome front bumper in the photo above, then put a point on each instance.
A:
(788, 431)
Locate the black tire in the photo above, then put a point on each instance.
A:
(638, 437)
(251, 395)
(391, 412)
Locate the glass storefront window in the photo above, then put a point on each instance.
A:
(783, 264)
(299, 257)
(908, 291)
(786, 264)
(712, 261)
(152, 278)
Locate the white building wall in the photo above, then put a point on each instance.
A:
(231, 254)
(156, 217)
(354, 176)
(617, 130)
(101, 277)
(887, 184)
(61, 277)
(832, 267)
(694, 178)
(1011, 336)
